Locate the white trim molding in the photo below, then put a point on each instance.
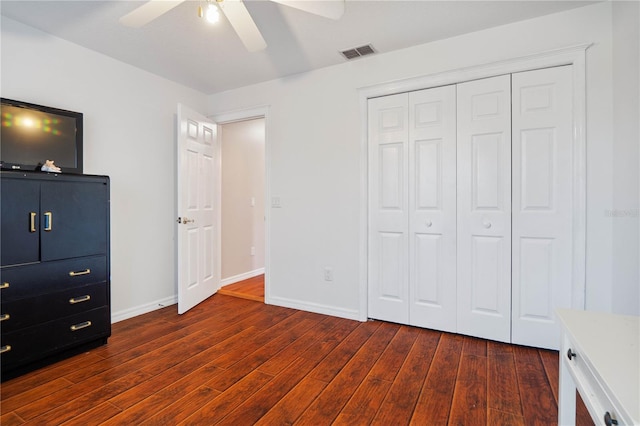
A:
(315, 307)
(241, 277)
(572, 55)
(143, 309)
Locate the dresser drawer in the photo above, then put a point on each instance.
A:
(19, 282)
(32, 343)
(47, 307)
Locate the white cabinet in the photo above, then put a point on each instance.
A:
(470, 208)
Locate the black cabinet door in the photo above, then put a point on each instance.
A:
(19, 233)
(74, 217)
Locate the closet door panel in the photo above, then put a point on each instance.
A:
(432, 208)
(388, 209)
(484, 208)
(542, 203)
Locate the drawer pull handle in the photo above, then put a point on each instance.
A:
(570, 354)
(79, 299)
(4, 285)
(608, 420)
(32, 221)
(77, 273)
(48, 221)
(4, 317)
(5, 348)
(80, 326)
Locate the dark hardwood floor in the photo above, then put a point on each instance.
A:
(252, 289)
(239, 362)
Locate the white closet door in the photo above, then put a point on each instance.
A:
(432, 208)
(542, 204)
(484, 208)
(388, 208)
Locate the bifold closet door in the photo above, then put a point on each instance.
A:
(432, 208)
(542, 203)
(412, 208)
(388, 208)
(484, 208)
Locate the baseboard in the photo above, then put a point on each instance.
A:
(241, 277)
(143, 309)
(314, 307)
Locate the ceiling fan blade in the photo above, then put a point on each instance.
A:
(148, 12)
(243, 24)
(332, 9)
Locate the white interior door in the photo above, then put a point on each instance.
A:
(542, 203)
(198, 257)
(388, 209)
(484, 208)
(432, 208)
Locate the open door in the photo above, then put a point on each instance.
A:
(198, 209)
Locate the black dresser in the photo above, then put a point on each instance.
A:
(54, 279)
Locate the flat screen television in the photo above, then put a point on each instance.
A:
(31, 134)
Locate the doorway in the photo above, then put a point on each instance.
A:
(243, 242)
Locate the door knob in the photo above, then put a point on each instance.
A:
(185, 220)
(486, 224)
(428, 224)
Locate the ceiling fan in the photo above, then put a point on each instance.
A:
(236, 13)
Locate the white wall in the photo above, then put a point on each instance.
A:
(626, 137)
(243, 156)
(314, 132)
(129, 134)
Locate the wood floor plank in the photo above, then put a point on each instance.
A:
(469, 405)
(153, 404)
(502, 385)
(387, 367)
(342, 353)
(474, 346)
(94, 416)
(365, 402)
(43, 376)
(434, 403)
(291, 406)
(398, 405)
(320, 348)
(219, 407)
(328, 405)
(500, 418)
(11, 419)
(251, 410)
(170, 376)
(181, 409)
(323, 329)
(85, 399)
(539, 406)
(34, 394)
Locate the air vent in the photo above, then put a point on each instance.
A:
(356, 52)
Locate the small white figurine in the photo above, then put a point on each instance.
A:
(48, 166)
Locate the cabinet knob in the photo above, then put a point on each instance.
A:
(486, 224)
(428, 224)
(608, 420)
(570, 354)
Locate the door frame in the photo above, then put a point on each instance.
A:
(572, 55)
(248, 114)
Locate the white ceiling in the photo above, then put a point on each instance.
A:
(211, 58)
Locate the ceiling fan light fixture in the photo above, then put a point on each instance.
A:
(213, 14)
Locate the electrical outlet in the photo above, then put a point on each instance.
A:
(253, 251)
(276, 203)
(328, 273)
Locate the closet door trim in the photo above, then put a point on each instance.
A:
(573, 55)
